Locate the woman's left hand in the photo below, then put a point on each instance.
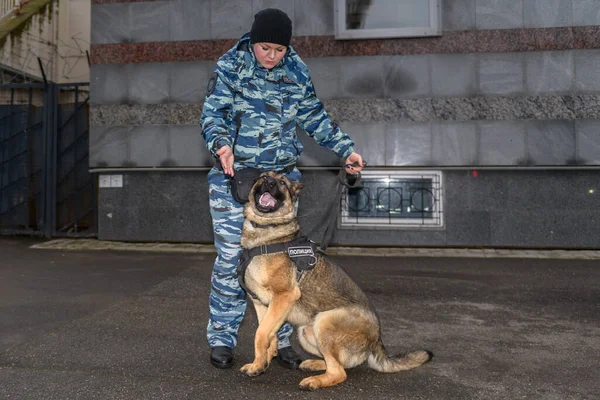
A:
(354, 164)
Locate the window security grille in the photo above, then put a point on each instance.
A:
(394, 199)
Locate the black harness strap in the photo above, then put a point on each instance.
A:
(301, 250)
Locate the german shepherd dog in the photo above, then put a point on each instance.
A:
(331, 314)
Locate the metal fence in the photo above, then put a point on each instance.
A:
(45, 186)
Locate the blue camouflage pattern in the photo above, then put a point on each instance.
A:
(255, 111)
(227, 301)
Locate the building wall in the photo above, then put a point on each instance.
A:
(20, 49)
(74, 21)
(58, 34)
(511, 87)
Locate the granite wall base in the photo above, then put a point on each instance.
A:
(495, 209)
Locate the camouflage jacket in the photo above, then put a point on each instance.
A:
(255, 110)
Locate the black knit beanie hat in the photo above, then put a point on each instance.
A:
(271, 26)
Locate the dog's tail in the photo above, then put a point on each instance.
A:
(380, 361)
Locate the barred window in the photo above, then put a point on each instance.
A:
(394, 199)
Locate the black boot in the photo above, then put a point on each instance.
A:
(288, 358)
(221, 357)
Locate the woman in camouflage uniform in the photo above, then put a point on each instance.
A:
(259, 90)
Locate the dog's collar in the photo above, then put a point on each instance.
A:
(257, 226)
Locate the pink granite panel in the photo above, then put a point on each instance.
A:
(451, 42)
(121, 1)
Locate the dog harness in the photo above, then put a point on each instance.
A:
(301, 250)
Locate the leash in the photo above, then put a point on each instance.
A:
(344, 180)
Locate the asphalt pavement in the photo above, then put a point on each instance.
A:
(105, 324)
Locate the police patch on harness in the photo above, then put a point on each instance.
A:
(300, 251)
(303, 256)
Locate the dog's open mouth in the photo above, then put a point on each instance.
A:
(266, 202)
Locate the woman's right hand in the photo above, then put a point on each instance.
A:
(226, 157)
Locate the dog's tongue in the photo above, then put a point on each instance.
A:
(266, 200)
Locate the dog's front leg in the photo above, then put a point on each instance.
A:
(261, 310)
(279, 307)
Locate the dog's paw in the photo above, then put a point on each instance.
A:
(252, 370)
(313, 365)
(310, 383)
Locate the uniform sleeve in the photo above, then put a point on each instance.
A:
(216, 112)
(313, 118)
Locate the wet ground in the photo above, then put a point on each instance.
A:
(131, 325)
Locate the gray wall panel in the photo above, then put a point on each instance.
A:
(369, 139)
(502, 143)
(547, 13)
(455, 143)
(189, 20)
(362, 77)
(586, 12)
(501, 73)
(499, 14)
(110, 23)
(230, 18)
(187, 146)
(407, 76)
(325, 74)
(454, 74)
(389, 144)
(587, 70)
(109, 146)
(505, 14)
(408, 144)
(188, 81)
(109, 83)
(313, 17)
(588, 142)
(549, 72)
(149, 146)
(551, 142)
(150, 21)
(372, 77)
(458, 15)
(149, 83)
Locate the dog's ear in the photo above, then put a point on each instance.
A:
(297, 188)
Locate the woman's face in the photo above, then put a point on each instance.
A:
(268, 54)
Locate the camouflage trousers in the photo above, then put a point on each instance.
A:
(227, 299)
